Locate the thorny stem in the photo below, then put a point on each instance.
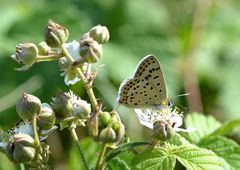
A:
(75, 138)
(100, 162)
(86, 83)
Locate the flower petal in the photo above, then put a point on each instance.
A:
(73, 49)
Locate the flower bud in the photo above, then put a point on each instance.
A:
(93, 126)
(106, 127)
(55, 35)
(115, 123)
(90, 50)
(100, 34)
(163, 130)
(28, 106)
(46, 117)
(62, 105)
(81, 109)
(107, 135)
(26, 53)
(120, 132)
(43, 48)
(105, 118)
(21, 148)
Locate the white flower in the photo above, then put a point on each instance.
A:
(26, 128)
(70, 73)
(147, 117)
(73, 49)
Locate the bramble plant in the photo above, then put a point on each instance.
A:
(203, 145)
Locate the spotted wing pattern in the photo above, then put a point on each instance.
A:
(146, 88)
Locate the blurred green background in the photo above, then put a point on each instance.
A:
(196, 41)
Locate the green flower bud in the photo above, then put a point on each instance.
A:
(55, 35)
(28, 106)
(117, 126)
(106, 127)
(25, 53)
(62, 105)
(100, 34)
(21, 148)
(43, 48)
(105, 118)
(108, 135)
(46, 118)
(120, 132)
(90, 50)
(163, 130)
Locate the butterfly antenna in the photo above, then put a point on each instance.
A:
(186, 109)
(181, 106)
(180, 95)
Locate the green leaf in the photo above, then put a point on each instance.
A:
(225, 148)
(204, 125)
(226, 128)
(178, 140)
(158, 158)
(123, 148)
(117, 164)
(194, 158)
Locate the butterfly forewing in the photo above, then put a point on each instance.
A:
(146, 88)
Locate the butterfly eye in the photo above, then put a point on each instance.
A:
(170, 103)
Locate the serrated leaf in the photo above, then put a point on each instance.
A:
(124, 147)
(117, 164)
(204, 125)
(157, 158)
(226, 128)
(225, 148)
(194, 158)
(178, 140)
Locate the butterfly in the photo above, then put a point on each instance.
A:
(146, 88)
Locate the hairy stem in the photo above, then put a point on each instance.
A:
(52, 57)
(75, 139)
(87, 85)
(35, 132)
(100, 162)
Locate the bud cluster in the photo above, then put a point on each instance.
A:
(91, 43)
(25, 142)
(68, 104)
(29, 106)
(106, 127)
(55, 46)
(19, 144)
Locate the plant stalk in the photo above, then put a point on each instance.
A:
(75, 139)
(22, 167)
(35, 132)
(84, 80)
(52, 57)
(100, 161)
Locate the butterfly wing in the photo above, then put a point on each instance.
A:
(146, 88)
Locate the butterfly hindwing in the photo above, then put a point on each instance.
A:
(146, 88)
